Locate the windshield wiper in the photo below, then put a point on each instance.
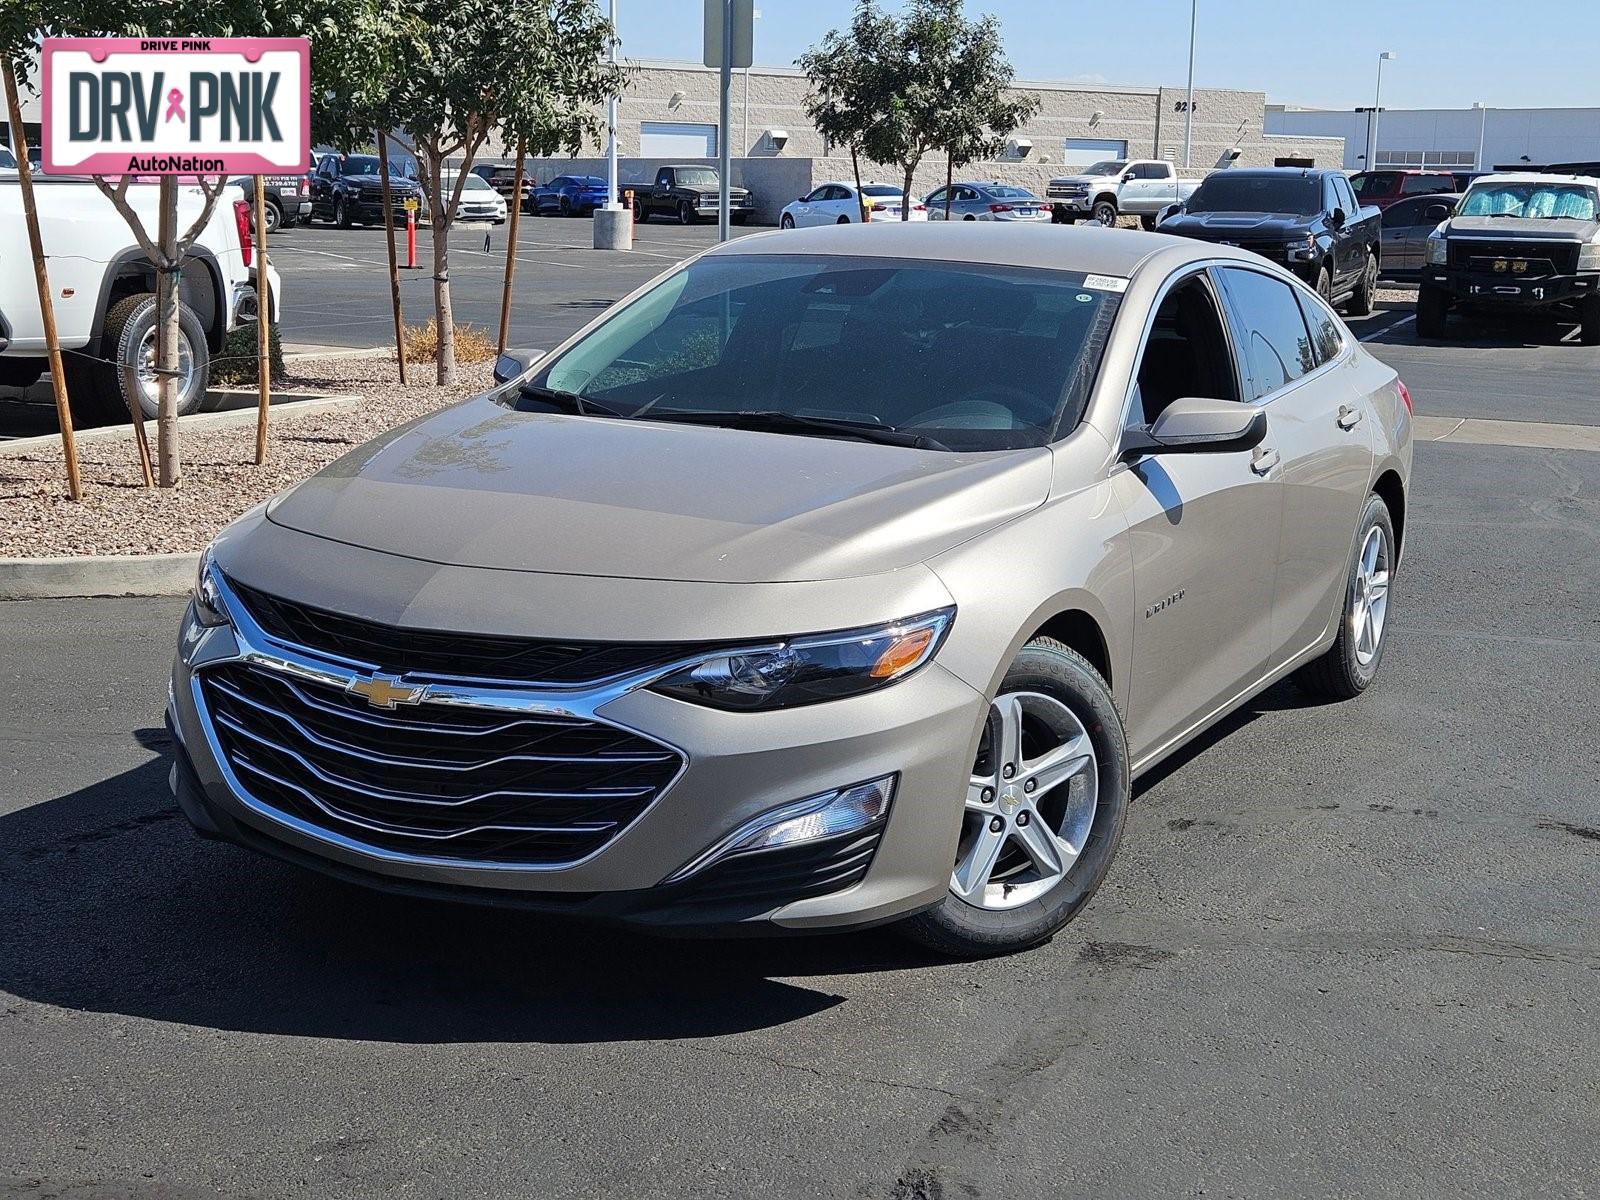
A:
(782, 422)
(571, 401)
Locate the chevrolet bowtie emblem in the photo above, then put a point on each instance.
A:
(386, 691)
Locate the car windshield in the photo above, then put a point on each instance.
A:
(7, 159)
(364, 164)
(1111, 166)
(972, 357)
(882, 189)
(696, 177)
(1375, 183)
(1299, 195)
(1552, 200)
(477, 183)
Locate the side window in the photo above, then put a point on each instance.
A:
(837, 193)
(816, 194)
(1402, 214)
(1327, 334)
(935, 198)
(1423, 185)
(1330, 195)
(966, 193)
(1267, 320)
(1349, 194)
(664, 177)
(1187, 352)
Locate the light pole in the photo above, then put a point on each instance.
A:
(1483, 120)
(1377, 104)
(611, 122)
(1188, 108)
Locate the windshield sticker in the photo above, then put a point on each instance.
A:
(1106, 283)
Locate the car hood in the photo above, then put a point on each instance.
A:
(479, 485)
(396, 184)
(1516, 228)
(1081, 178)
(1230, 225)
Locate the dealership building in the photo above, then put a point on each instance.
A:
(1478, 138)
(669, 115)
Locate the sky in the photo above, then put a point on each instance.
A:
(1448, 53)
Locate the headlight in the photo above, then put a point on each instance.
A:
(1589, 257)
(1437, 250)
(209, 610)
(809, 670)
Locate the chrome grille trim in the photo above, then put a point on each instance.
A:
(245, 644)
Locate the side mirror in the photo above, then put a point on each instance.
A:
(1126, 176)
(1436, 213)
(1336, 218)
(1195, 425)
(514, 364)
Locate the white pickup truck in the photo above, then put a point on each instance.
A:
(104, 290)
(1138, 187)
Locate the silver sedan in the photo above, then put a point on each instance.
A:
(987, 202)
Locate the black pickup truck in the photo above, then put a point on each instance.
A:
(689, 193)
(1308, 221)
(347, 189)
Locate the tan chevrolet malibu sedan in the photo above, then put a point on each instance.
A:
(836, 577)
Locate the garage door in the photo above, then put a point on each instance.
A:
(677, 139)
(1083, 152)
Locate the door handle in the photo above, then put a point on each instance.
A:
(1264, 461)
(1349, 417)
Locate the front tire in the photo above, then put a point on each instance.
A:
(1105, 211)
(1347, 668)
(1589, 321)
(1324, 285)
(786, 222)
(1043, 813)
(686, 214)
(1433, 309)
(341, 214)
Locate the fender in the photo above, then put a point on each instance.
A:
(200, 289)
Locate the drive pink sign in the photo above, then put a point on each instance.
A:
(176, 106)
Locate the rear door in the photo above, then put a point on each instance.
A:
(1151, 188)
(1203, 532)
(1397, 250)
(1301, 374)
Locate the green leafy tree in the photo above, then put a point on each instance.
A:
(480, 68)
(981, 110)
(847, 83)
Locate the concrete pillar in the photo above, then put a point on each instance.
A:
(613, 229)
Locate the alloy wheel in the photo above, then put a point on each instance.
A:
(1369, 598)
(1030, 803)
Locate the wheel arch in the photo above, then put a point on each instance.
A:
(1391, 489)
(1076, 629)
(1106, 198)
(200, 288)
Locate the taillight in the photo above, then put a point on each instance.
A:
(241, 218)
(999, 208)
(919, 208)
(1405, 395)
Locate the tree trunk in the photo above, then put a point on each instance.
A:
(949, 183)
(855, 165)
(168, 467)
(444, 317)
(905, 204)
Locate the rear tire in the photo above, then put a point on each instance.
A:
(1433, 309)
(102, 388)
(1366, 294)
(842, 221)
(1589, 321)
(274, 216)
(1347, 667)
(1047, 669)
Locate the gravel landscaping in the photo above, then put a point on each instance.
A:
(119, 515)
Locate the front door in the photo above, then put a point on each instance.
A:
(1203, 529)
(1316, 420)
(1395, 250)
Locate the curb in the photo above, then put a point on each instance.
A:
(281, 408)
(97, 575)
(302, 350)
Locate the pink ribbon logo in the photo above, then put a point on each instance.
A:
(175, 105)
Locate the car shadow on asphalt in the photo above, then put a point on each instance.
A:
(112, 904)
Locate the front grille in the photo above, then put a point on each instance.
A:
(425, 653)
(433, 781)
(1543, 258)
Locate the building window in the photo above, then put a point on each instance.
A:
(677, 139)
(1426, 158)
(1082, 152)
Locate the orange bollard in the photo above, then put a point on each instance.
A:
(411, 239)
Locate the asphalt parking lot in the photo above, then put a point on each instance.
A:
(336, 281)
(1345, 949)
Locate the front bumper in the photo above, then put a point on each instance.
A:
(370, 212)
(1505, 289)
(736, 766)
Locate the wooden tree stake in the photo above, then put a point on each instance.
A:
(41, 276)
(511, 246)
(263, 324)
(394, 267)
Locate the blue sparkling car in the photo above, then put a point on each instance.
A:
(570, 195)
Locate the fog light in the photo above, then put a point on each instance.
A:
(814, 819)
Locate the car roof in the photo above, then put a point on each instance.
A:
(1533, 177)
(1094, 250)
(1305, 172)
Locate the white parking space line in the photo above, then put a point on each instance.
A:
(1378, 333)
